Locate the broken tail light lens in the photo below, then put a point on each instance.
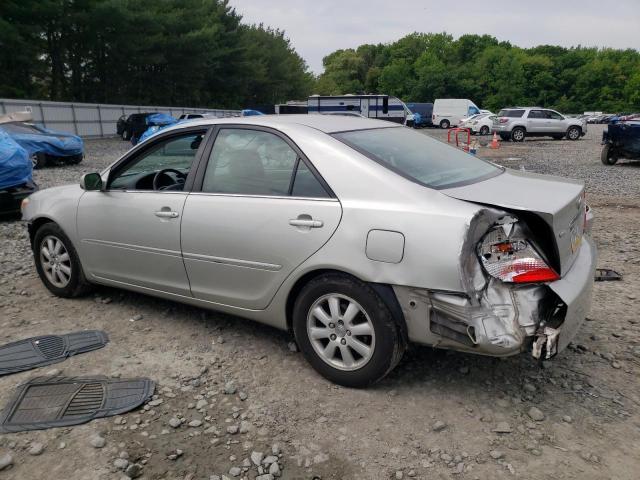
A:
(504, 119)
(507, 257)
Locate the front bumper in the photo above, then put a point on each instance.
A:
(508, 319)
(11, 197)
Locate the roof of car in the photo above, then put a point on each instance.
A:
(324, 123)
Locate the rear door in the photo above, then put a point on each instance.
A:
(537, 121)
(261, 210)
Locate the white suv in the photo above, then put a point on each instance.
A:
(516, 123)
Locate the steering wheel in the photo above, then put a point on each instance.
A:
(163, 172)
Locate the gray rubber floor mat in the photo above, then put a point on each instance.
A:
(48, 349)
(48, 402)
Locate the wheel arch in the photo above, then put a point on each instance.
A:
(35, 225)
(384, 290)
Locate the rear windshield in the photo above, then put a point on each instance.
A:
(511, 113)
(419, 157)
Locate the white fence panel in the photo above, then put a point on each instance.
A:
(92, 119)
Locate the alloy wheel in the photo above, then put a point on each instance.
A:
(340, 331)
(55, 261)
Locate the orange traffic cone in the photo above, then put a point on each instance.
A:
(494, 142)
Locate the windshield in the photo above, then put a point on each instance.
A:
(418, 157)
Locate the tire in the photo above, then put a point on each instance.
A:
(126, 135)
(386, 344)
(574, 133)
(608, 155)
(445, 124)
(76, 284)
(38, 160)
(518, 134)
(484, 130)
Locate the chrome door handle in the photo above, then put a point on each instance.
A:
(299, 222)
(167, 214)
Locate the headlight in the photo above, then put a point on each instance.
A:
(508, 256)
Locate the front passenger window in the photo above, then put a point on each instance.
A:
(164, 166)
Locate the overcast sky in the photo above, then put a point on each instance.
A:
(318, 27)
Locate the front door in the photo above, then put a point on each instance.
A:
(261, 212)
(130, 232)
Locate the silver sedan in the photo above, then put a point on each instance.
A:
(357, 235)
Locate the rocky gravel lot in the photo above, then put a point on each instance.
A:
(235, 400)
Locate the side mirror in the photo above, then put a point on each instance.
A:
(91, 181)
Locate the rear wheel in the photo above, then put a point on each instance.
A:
(573, 133)
(57, 262)
(445, 124)
(346, 331)
(518, 134)
(608, 155)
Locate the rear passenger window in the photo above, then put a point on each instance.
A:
(511, 113)
(254, 162)
(249, 162)
(305, 183)
(536, 114)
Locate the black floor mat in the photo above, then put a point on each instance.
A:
(39, 351)
(46, 402)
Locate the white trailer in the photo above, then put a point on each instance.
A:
(383, 107)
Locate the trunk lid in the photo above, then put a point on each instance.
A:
(559, 202)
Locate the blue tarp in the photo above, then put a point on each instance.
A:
(58, 144)
(160, 119)
(15, 166)
(250, 113)
(156, 122)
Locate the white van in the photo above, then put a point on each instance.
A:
(447, 112)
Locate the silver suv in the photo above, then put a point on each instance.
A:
(516, 123)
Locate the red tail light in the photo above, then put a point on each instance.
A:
(503, 119)
(508, 256)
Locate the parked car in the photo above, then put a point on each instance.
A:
(448, 112)
(133, 125)
(621, 140)
(44, 146)
(16, 182)
(516, 123)
(480, 124)
(155, 122)
(420, 116)
(356, 235)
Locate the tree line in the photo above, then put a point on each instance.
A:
(421, 67)
(163, 52)
(199, 53)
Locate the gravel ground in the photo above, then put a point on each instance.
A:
(234, 400)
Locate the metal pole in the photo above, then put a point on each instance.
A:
(44, 122)
(100, 122)
(73, 115)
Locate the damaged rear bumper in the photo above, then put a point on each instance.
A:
(508, 318)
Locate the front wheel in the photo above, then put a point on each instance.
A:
(345, 331)
(573, 133)
(57, 262)
(126, 136)
(445, 124)
(484, 130)
(608, 155)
